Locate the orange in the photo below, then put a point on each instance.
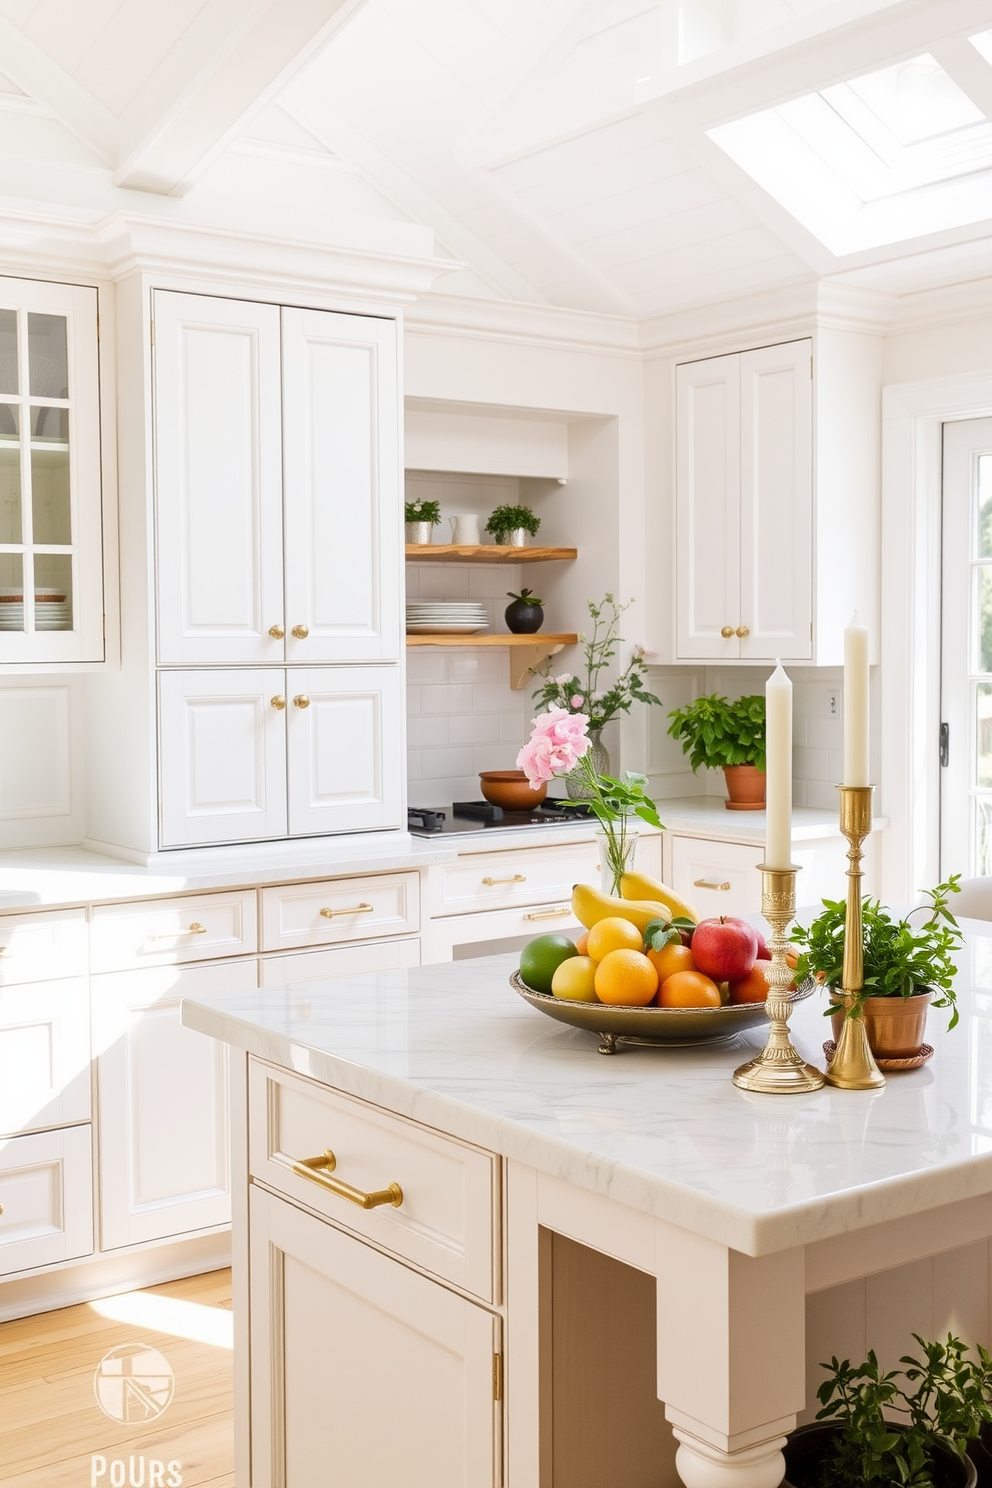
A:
(582, 943)
(687, 989)
(613, 934)
(625, 978)
(671, 958)
(754, 986)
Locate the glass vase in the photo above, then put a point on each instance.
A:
(577, 781)
(617, 846)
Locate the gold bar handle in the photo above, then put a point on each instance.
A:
(517, 878)
(319, 1170)
(709, 883)
(329, 914)
(195, 929)
(549, 914)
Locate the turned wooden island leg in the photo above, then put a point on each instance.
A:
(731, 1358)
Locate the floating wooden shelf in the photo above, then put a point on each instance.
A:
(527, 652)
(453, 553)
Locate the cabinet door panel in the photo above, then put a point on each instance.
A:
(342, 487)
(46, 1194)
(345, 749)
(222, 756)
(719, 878)
(218, 480)
(776, 501)
(708, 532)
(164, 1166)
(44, 1055)
(353, 1357)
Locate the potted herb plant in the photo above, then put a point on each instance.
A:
(421, 518)
(526, 614)
(910, 1426)
(512, 525)
(908, 967)
(586, 693)
(718, 734)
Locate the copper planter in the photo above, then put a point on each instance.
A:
(895, 1025)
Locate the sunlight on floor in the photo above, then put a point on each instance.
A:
(193, 1320)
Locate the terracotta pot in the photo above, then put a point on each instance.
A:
(745, 787)
(805, 1448)
(895, 1025)
(510, 789)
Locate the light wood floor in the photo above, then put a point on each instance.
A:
(50, 1423)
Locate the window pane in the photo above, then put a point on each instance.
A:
(983, 836)
(983, 734)
(8, 351)
(53, 591)
(984, 619)
(50, 424)
(51, 514)
(10, 480)
(983, 487)
(11, 591)
(47, 357)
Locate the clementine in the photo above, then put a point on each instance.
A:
(688, 989)
(625, 978)
(671, 958)
(755, 986)
(613, 934)
(582, 943)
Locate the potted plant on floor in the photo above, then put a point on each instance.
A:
(512, 525)
(908, 968)
(721, 735)
(910, 1426)
(421, 518)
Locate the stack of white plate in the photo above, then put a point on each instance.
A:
(52, 611)
(445, 617)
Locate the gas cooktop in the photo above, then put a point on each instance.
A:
(475, 816)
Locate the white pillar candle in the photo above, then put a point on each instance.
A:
(778, 784)
(856, 703)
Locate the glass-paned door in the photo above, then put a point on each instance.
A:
(51, 589)
(966, 650)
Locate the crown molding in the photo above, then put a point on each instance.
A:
(949, 304)
(511, 322)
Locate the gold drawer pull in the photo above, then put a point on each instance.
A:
(517, 878)
(195, 929)
(329, 914)
(709, 883)
(549, 914)
(319, 1170)
(1, 1208)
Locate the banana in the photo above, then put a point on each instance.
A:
(590, 906)
(639, 886)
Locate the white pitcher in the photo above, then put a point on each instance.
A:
(465, 530)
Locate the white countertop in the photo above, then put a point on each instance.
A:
(709, 816)
(661, 1130)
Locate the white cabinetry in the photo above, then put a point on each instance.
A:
(46, 1199)
(51, 527)
(744, 505)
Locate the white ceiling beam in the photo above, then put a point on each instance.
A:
(48, 84)
(228, 65)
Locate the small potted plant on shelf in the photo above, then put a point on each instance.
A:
(526, 614)
(911, 1426)
(512, 525)
(908, 968)
(421, 518)
(717, 734)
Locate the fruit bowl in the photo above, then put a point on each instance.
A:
(651, 1025)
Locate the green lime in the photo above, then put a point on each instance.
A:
(541, 958)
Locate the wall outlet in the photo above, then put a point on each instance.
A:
(833, 704)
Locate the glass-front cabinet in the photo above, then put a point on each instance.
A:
(51, 539)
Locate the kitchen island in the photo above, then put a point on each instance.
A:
(554, 1243)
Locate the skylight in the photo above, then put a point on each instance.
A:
(983, 43)
(892, 155)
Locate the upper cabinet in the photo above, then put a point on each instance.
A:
(51, 529)
(277, 472)
(744, 505)
(777, 499)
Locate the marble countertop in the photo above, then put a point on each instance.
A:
(662, 1130)
(709, 816)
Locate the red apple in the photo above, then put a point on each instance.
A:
(724, 949)
(764, 954)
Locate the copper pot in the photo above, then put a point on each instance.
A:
(895, 1025)
(511, 789)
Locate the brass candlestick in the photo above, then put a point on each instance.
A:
(853, 1066)
(779, 1069)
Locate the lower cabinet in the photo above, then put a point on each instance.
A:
(265, 752)
(363, 1372)
(46, 1198)
(164, 1165)
(722, 878)
(44, 1055)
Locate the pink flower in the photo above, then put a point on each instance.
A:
(558, 741)
(576, 700)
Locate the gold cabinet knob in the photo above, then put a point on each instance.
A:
(300, 632)
(278, 701)
(727, 631)
(1, 1208)
(742, 631)
(301, 700)
(277, 632)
